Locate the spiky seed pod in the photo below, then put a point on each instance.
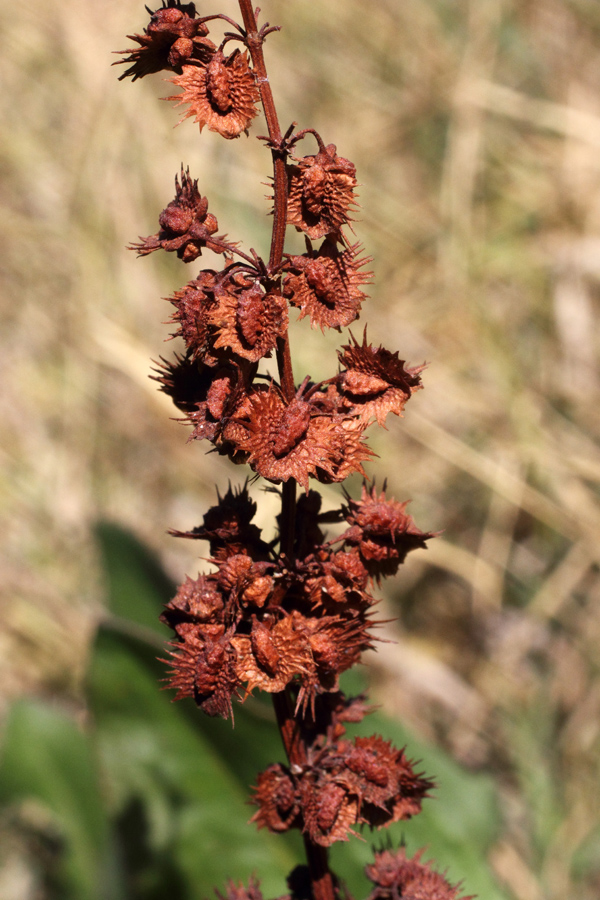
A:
(173, 37)
(274, 654)
(397, 876)
(203, 668)
(239, 892)
(197, 601)
(385, 780)
(310, 801)
(277, 801)
(246, 320)
(346, 783)
(223, 392)
(336, 644)
(186, 226)
(232, 435)
(293, 441)
(326, 284)
(321, 193)
(374, 381)
(382, 531)
(183, 380)
(207, 394)
(221, 95)
(192, 305)
(338, 578)
(229, 528)
(248, 583)
(329, 811)
(346, 453)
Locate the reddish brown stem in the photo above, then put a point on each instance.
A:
(254, 43)
(289, 726)
(320, 875)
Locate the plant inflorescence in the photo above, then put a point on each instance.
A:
(288, 616)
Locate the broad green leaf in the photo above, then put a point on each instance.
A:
(188, 793)
(137, 586)
(47, 758)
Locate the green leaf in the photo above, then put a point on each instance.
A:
(188, 792)
(137, 586)
(47, 758)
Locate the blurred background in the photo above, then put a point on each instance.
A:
(475, 129)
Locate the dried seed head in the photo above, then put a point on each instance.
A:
(336, 644)
(221, 95)
(382, 531)
(196, 602)
(375, 382)
(276, 797)
(239, 892)
(173, 37)
(388, 786)
(192, 305)
(183, 380)
(223, 387)
(338, 578)
(293, 441)
(396, 876)
(326, 284)
(329, 810)
(186, 226)
(247, 582)
(343, 784)
(321, 193)
(203, 669)
(274, 654)
(246, 320)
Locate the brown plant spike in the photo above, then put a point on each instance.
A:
(290, 614)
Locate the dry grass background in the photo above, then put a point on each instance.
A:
(475, 128)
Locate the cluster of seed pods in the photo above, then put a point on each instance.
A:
(286, 616)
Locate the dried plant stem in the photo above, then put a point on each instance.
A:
(291, 733)
(254, 43)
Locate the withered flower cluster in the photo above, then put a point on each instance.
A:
(286, 616)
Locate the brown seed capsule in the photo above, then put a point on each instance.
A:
(321, 193)
(395, 875)
(329, 803)
(173, 37)
(186, 226)
(292, 427)
(248, 314)
(221, 95)
(264, 650)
